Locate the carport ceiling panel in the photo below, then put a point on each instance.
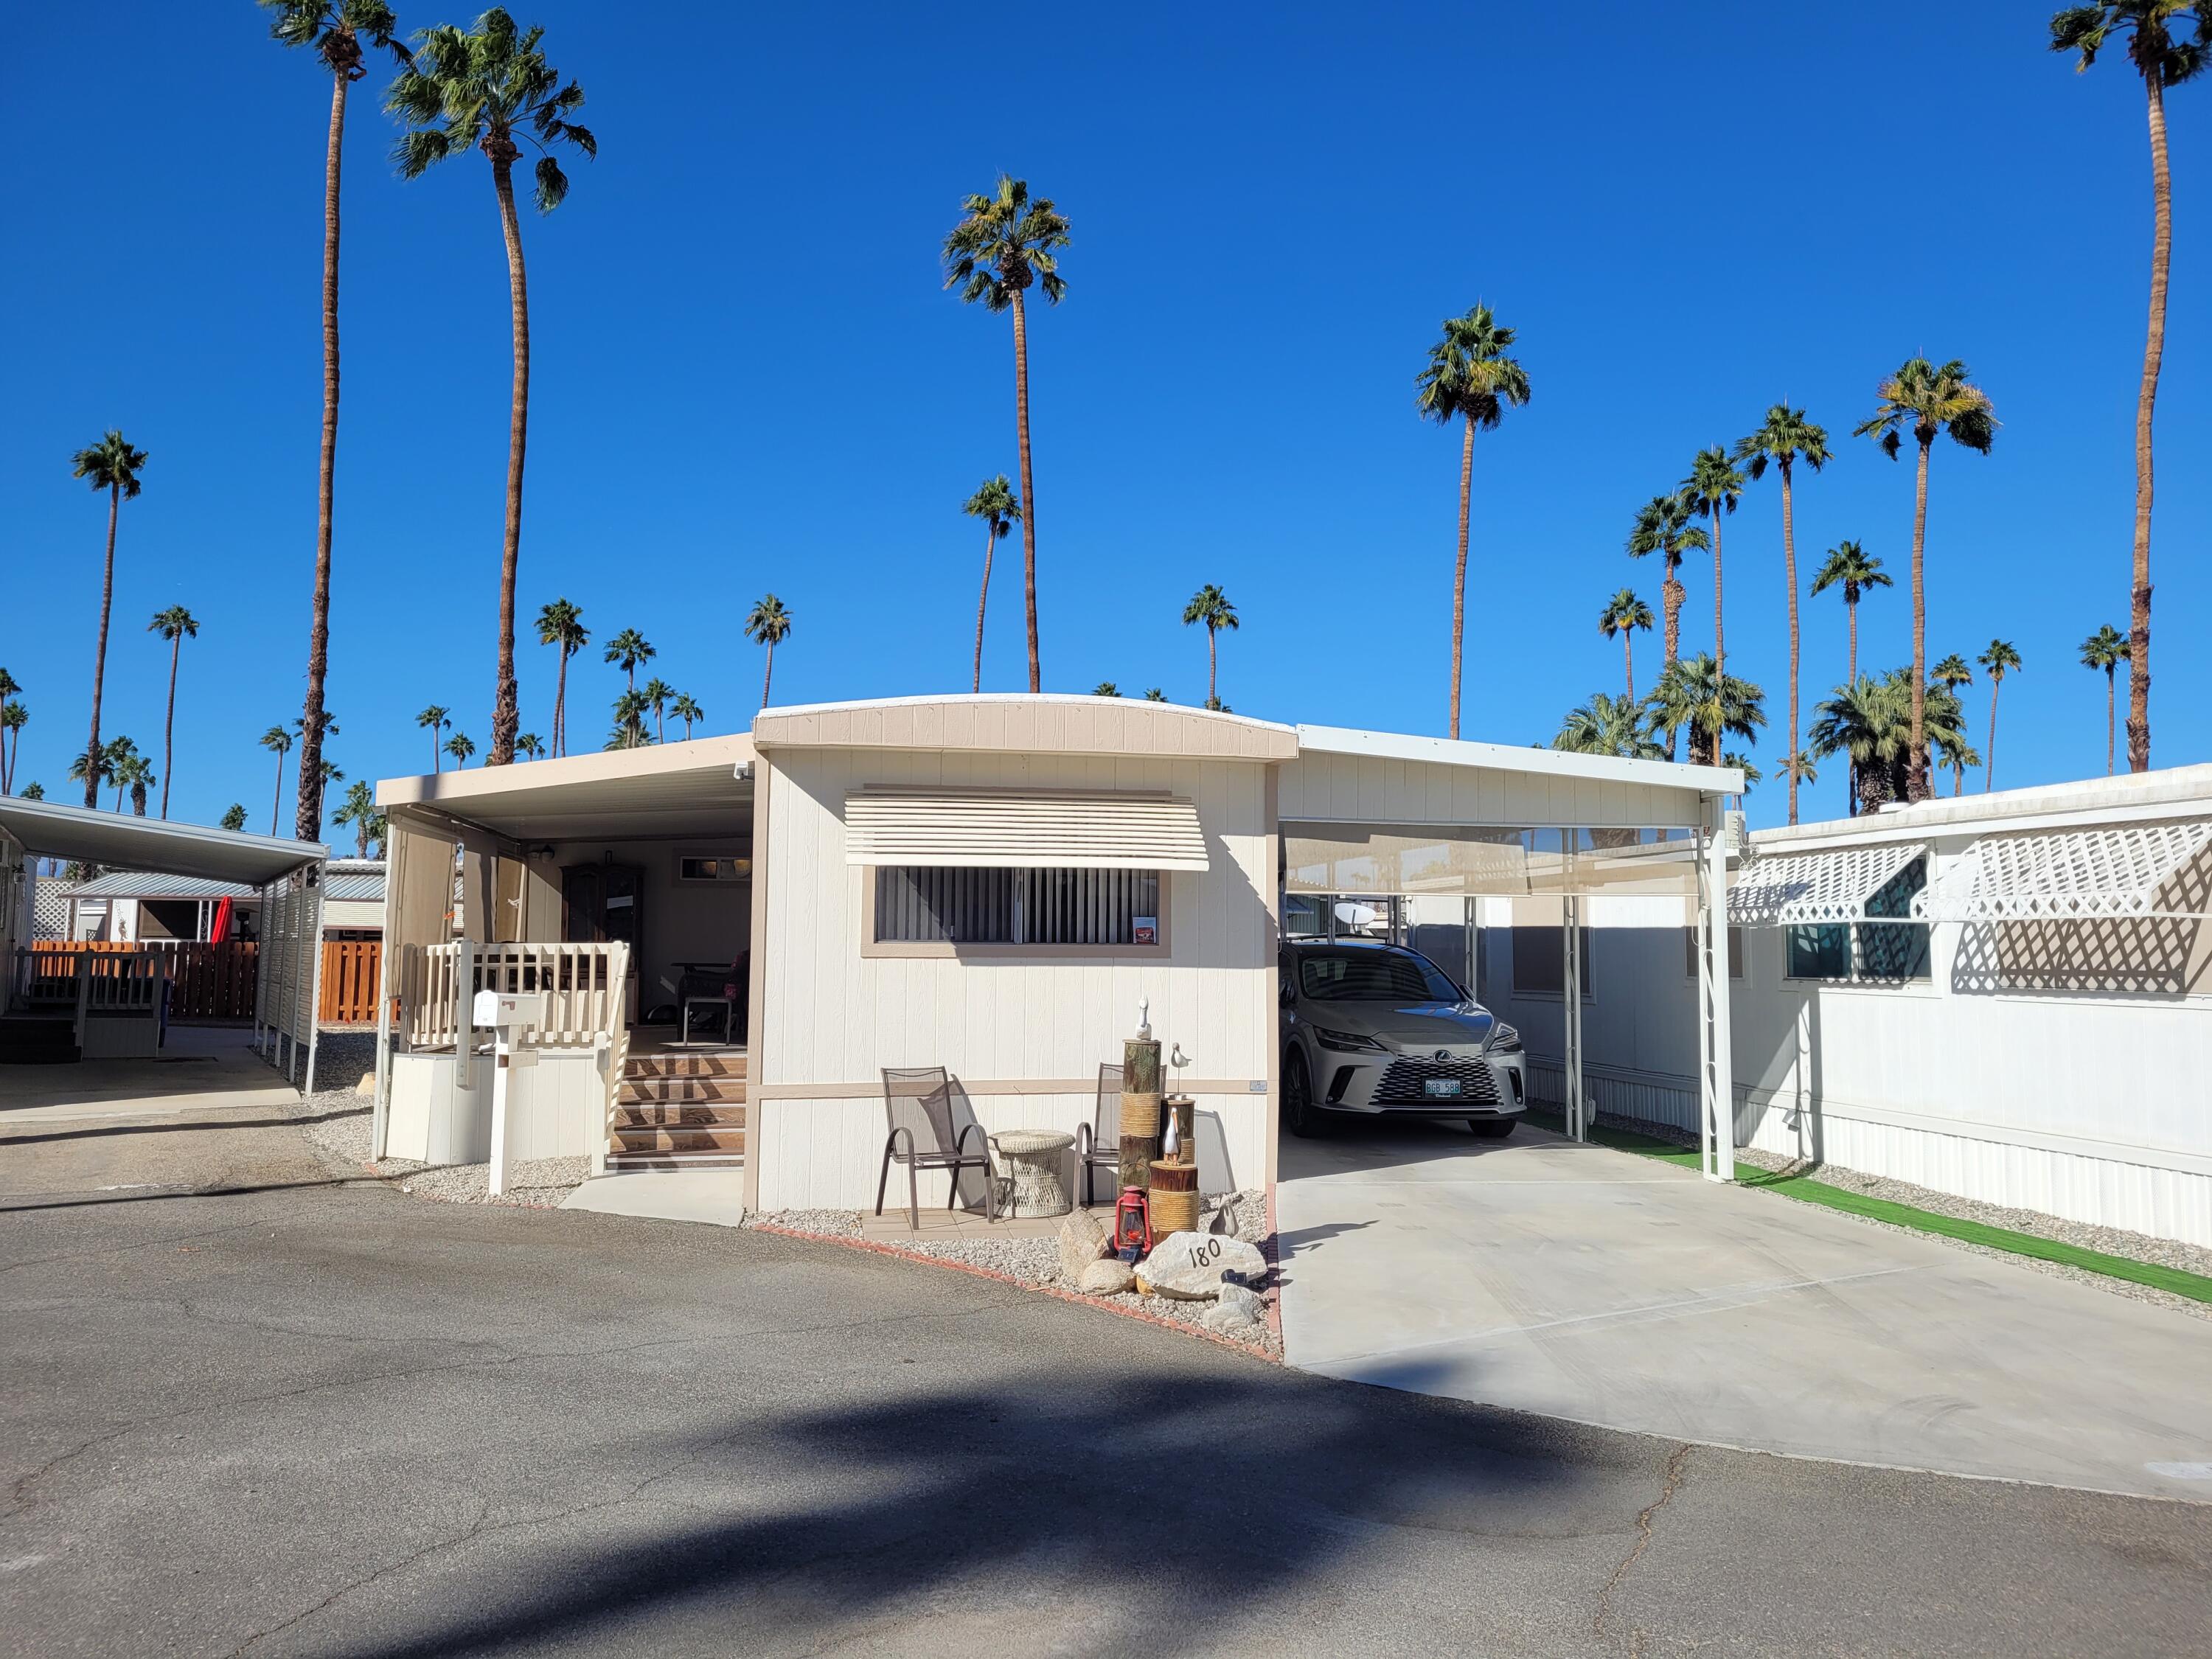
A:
(1798, 889)
(2118, 872)
(53, 830)
(982, 830)
(1486, 860)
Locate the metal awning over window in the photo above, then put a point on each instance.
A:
(2117, 872)
(982, 829)
(1797, 890)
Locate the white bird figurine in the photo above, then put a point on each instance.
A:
(1177, 1057)
(1143, 1019)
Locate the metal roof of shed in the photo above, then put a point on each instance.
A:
(51, 831)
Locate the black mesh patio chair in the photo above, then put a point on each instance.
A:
(918, 1105)
(1098, 1143)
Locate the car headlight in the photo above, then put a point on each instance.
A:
(1504, 1040)
(1345, 1043)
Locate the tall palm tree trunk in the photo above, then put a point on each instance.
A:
(2162, 244)
(2108, 719)
(1789, 569)
(1990, 765)
(1028, 490)
(506, 716)
(1916, 759)
(1213, 693)
(1672, 594)
(100, 653)
(990, 546)
(1852, 607)
(1458, 569)
(275, 806)
(768, 673)
(1628, 655)
(169, 721)
(1720, 651)
(308, 819)
(561, 704)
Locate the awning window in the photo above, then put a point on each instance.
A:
(2118, 872)
(982, 830)
(1797, 890)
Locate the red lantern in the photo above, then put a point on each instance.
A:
(1132, 1225)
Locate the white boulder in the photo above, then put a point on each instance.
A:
(1110, 1276)
(1187, 1266)
(1082, 1241)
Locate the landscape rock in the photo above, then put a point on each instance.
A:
(1187, 1266)
(1234, 1295)
(1082, 1241)
(1229, 1218)
(1226, 1320)
(1110, 1276)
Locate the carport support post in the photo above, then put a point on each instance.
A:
(1576, 1107)
(1716, 1079)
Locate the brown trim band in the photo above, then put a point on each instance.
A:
(999, 1086)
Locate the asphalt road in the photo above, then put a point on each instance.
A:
(302, 1418)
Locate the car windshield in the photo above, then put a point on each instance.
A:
(1373, 976)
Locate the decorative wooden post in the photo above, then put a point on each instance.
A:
(1140, 1104)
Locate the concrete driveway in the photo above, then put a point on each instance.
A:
(1595, 1285)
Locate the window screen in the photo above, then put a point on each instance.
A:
(1734, 950)
(1540, 961)
(1873, 953)
(927, 905)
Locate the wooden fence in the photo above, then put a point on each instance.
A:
(351, 968)
(208, 981)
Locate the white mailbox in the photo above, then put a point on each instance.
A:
(506, 1015)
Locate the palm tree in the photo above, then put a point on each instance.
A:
(1154, 694)
(358, 810)
(176, 625)
(336, 30)
(1623, 615)
(1105, 689)
(1469, 379)
(686, 708)
(1000, 509)
(562, 623)
(1783, 438)
(1858, 572)
(1620, 726)
(1713, 488)
(1857, 722)
(278, 742)
(135, 773)
(95, 771)
(628, 732)
(1958, 756)
(2163, 61)
(529, 744)
(13, 718)
(125, 775)
(483, 89)
(627, 650)
(460, 746)
(1007, 243)
(1692, 693)
(2106, 648)
(435, 717)
(769, 622)
(110, 464)
(657, 694)
(1997, 662)
(234, 819)
(1753, 777)
(1663, 526)
(1212, 607)
(1930, 400)
(1951, 673)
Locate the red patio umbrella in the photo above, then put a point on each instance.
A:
(221, 930)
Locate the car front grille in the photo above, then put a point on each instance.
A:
(1401, 1084)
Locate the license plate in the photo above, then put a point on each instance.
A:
(1440, 1087)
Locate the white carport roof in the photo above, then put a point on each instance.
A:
(49, 829)
(669, 789)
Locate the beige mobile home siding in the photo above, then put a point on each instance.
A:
(1338, 788)
(832, 1017)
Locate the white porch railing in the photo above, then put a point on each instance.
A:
(584, 986)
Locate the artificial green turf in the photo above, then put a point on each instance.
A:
(1804, 1188)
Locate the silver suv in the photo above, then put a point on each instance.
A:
(1376, 1031)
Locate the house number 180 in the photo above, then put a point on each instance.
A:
(1202, 1254)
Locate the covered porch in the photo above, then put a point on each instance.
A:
(616, 885)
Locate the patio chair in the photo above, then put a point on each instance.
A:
(1098, 1143)
(918, 1106)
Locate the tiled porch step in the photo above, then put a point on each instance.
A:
(679, 1114)
(707, 1090)
(726, 1140)
(636, 1066)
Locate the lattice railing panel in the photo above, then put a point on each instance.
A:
(2116, 872)
(1794, 890)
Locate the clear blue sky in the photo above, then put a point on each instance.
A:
(747, 377)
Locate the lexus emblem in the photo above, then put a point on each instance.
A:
(1443, 1056)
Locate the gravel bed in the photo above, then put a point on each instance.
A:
(1036, 1262)
(336, 1121)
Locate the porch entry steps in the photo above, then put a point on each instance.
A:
(678, 1111)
